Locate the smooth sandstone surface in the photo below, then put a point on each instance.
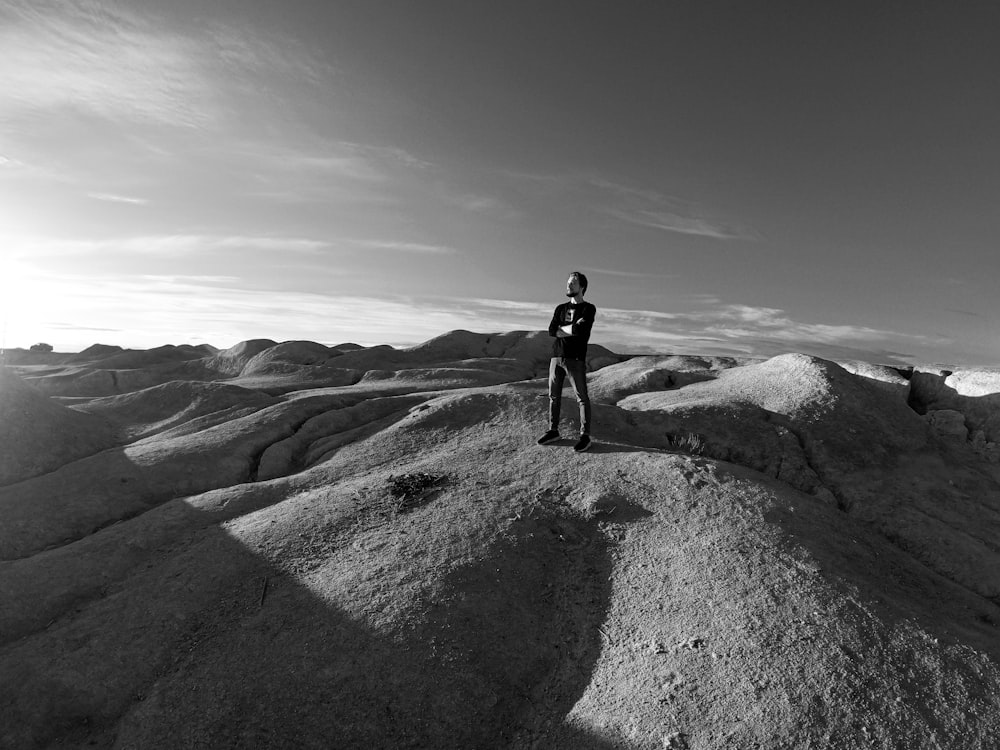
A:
(284, 544)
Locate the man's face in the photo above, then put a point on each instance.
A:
(572, 286)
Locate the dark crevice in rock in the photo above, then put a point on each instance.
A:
(904, 372)
(255, 459)
(925, 390)
(915, 403)
(334, 442)
(294, 452)
(779, 421)
(801, 475)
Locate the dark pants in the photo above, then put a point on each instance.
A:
(559, 368)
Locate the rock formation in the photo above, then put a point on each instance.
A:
(293, 545)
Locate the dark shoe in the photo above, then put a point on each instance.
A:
(549, 437)
(582, 444)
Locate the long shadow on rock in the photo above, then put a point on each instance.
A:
(490, 652)
(220, 647)
(600, 446)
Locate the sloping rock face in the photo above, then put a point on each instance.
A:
(153, 410)
(530, 348)
(848, 441)
(775, 553)
(288, 353)
(38, 435)
(891, 380)
(131, 359)
(95, 352)
(649, 374)
(101, 378)
(843, 423)
(975, 394)
(232, 361)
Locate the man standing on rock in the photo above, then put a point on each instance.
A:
(571, 324)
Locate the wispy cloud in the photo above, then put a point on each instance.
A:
(966, 313)
(111, 198)
(386, 154)
(735, 321)
(170, 245)
(9, 163)
(311, 170)
(249, 56)
(478, 203)
(672, 222)
(322, 158)
(308, 164)
(637, 205)
(756, 331)
(650, 208)
(405, 247)
(19, 170)
(112, 61)
(629, 274)
(101, 60)
(82, 329)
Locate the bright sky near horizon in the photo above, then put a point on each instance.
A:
(733, 177)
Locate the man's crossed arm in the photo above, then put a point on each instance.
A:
(567, 330)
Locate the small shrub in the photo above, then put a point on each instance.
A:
(688, 442)
(411, 490)
(41, 348)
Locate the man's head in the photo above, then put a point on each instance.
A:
(576, 284)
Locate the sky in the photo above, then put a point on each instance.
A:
(743, 178)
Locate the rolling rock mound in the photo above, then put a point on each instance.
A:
(38, 435)
(276, 368)
(152, 410)
(786, 553)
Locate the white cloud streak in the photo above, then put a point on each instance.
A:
(637, 206)
(649, 208)
(386, 155)
(672, 222)
(313, 171)
(629, 274)
(406, 247)
(111, 198)
(170, 245)
(186, 244)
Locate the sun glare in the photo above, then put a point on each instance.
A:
(22, 296)
(12, 284)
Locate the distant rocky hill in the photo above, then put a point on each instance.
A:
(285, 544)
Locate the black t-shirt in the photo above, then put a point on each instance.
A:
(581, 317)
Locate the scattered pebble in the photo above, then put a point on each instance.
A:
(692, 644)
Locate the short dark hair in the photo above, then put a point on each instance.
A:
(582, 279)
